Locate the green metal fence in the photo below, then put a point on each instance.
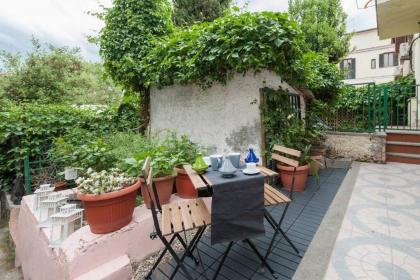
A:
(401, 108)
(40, 171)
(368, 107)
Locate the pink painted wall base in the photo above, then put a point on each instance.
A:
(83, 255)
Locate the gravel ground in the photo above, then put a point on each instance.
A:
(141, 269)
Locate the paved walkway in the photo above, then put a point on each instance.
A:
(380, 234)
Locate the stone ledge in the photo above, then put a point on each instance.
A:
(378, 134)
(83, 251)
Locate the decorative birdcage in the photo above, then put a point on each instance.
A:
(49, 207)
(41, 194)
(65, 222)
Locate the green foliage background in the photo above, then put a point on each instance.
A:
(49, 74)
(323, 23)
(189, 12)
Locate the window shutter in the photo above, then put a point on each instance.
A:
(381, 60)
(353, 68)
(395, 58)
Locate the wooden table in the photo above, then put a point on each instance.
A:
(201, 182)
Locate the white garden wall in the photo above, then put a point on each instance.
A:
(223, 118)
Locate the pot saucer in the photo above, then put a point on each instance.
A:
(250, 171)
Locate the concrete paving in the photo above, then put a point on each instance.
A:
(379, 237)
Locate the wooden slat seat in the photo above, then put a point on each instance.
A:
(267, 172)
(273, 196)
(184, 215)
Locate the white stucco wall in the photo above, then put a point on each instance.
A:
(364, 46)
(223, 118)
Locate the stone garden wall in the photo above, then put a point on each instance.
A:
(223, 117)
(358, 146)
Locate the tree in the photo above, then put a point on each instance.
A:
(53, 75)
(323, 23)
(188, 12)
(132, 27)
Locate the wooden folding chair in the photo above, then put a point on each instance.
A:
(177, 217)
(273, 197)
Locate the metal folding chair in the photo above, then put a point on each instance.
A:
(177, 217)
(273, 197)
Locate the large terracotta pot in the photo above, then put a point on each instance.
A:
(286, 177)
(164, 186)
(184, 186)
(109, 212)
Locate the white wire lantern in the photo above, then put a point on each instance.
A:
(49, 207)
(64, 223)
(41, 194)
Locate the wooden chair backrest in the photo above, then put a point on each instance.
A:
(278, 150)
(147, 174)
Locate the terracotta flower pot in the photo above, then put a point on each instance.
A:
(164, 187)
(286, 177)
(184, 186)
(109, 212)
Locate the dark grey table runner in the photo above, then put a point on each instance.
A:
(237, 209)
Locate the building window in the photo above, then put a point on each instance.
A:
(373, 64)
(348, 66)
(388, 59)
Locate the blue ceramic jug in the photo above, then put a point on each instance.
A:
(251, 157)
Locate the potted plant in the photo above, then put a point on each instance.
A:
(163, 171)
(185, 152)
(301, 174)
(109, 198)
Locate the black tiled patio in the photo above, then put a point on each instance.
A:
(302, 221)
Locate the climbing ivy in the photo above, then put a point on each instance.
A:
(212, 52)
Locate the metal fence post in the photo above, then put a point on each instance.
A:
(27, 174)
(385, 108)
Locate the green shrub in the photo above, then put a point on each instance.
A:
(29, 130)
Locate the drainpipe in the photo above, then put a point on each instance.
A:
(416, 58)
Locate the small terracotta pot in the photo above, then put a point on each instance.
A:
(164, 186)
(60, 186)
(109, 212)
(318, 151)
(184, 186)
(286, 177)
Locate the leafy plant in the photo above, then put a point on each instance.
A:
(323, 23)
(284, 127)
(188, 12)
(103, 182)
(53, 74)
(30, 130)
(181, 148)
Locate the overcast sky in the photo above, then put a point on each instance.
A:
(66, 22)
